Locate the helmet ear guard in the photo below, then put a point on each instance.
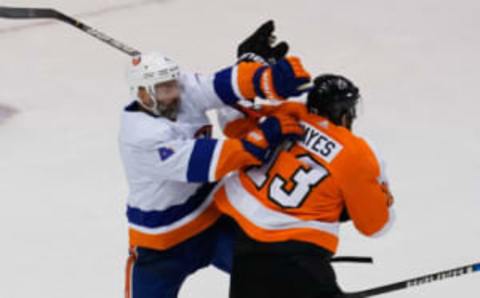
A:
(334, 97)
(152, 105)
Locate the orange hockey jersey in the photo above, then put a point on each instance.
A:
(301, 193)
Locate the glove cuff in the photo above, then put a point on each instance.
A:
(257, 81)
(272, 130)
(259, 153)
(251, 57)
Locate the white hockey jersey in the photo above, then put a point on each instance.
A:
(170, 164)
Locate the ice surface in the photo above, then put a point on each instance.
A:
(61, 183)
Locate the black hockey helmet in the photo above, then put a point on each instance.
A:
(333, 97)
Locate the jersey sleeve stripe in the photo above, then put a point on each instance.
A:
(167, 237)
(215, 160)
(200, 160)
(245, 79)
(157, 219)
(235, 83)
(223, 86)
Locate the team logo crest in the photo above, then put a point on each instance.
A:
(136, 60)
(165, 153)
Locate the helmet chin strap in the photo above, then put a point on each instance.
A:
(159, 109)
(152, 109)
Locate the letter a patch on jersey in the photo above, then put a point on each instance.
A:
(165, 153)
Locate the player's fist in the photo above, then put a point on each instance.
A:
(289, 128)
(270, 133)
(281, 80)
(275, 129)
(259, 46)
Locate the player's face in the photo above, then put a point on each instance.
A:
(167, 94)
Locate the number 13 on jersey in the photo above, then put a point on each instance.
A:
(288, 180)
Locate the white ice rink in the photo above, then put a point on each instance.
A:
(62, 189)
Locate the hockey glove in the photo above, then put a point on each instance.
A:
(281, 80)
(240, 127)
(270, 133)
(259, 46)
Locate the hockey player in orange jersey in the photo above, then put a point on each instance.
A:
(289, 210)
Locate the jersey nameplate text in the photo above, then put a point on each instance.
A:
(319, 143)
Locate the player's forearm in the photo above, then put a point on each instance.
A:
(213, 159)
(247, 80)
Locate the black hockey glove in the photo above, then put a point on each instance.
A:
(259, 46)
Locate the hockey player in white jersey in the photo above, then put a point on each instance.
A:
(171, 162)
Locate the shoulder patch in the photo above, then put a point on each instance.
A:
(165, 153)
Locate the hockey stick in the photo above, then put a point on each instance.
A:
(47, 13)
(415, 282)
(365, 260)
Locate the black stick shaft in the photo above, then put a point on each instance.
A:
(367, 260)
(99, 35)
(415, 282)
(47, 13)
